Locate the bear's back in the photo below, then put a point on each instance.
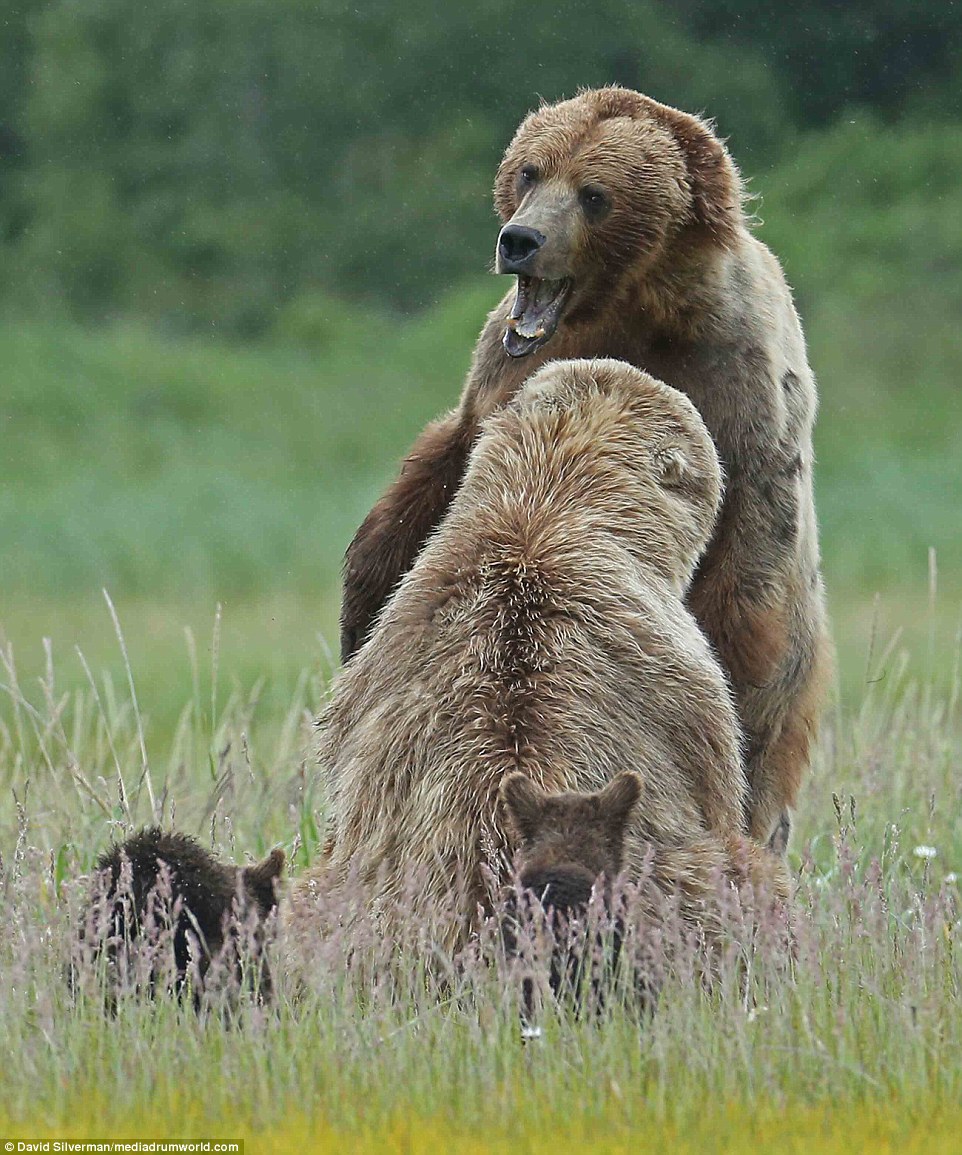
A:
(541, 630)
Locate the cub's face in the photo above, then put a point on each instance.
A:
(566, 842)
(592, 192)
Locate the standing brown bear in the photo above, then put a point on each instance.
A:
(624, 225)
(542, 630)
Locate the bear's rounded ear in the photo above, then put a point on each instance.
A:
(670, 462)
(260, 878)
(548, 391)
(619, 798)
(716, 188)
(524, 802)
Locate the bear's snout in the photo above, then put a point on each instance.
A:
(517, 247)
(563, 888)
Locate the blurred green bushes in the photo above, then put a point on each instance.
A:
(868, 210)
(279, 218)
(219, 163)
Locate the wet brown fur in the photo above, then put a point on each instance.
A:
(542, 630)
(672, 281)
(570, 846)
(205, 894)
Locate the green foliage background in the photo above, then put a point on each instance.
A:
(207, 163)
(245, 251)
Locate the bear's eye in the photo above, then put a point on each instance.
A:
(527, 175)
(594, 201)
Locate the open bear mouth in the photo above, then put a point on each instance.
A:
(535, 314)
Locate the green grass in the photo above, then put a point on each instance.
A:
(179, 468)
(185, 474)
(860, 1048)
(268, 640)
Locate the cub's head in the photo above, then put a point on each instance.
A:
(567, 842)
(652, 465)
(594, 193)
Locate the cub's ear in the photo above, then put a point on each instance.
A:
(619, 798)
(524, 802)
(260, 879)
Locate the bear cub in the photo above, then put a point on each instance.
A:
(570, 846)
(159, 881)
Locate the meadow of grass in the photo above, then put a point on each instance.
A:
(186, 475)
(858, 1048)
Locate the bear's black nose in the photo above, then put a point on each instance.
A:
(567, 889)
(516, 246)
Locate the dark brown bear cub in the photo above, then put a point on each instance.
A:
(159, 880)
(569, 845)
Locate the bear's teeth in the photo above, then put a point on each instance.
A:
(535, 313)
(530, 327)
(515, 324)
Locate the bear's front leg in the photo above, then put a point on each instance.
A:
(391, 536)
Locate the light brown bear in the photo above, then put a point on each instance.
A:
(625, 227)
(542, 630)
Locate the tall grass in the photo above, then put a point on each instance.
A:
(860, 1043)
